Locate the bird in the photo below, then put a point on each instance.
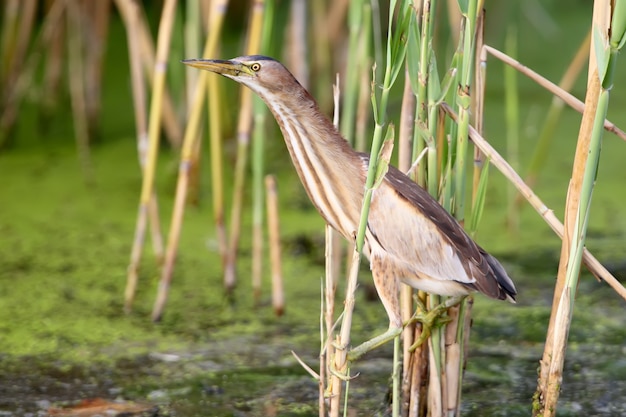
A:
(409, 238)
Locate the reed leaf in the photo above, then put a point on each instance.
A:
(479, 201)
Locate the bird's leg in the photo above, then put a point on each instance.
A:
(381, 339)
(386, 282)
(432, 318)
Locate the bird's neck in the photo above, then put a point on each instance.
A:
(332, 173)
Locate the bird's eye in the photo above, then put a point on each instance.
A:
(255, 67)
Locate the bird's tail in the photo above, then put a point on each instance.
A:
(506, 284)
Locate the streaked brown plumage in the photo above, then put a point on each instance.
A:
(409, 237)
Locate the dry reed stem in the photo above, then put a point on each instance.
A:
(551, 372)
(328, 301)
(340, 363)
(435, 393)
(333, 244)
(131, 15)
(154, 123)
(594, 266)
(171, 125)
(273, 225)
(191, 135)
(568, 98)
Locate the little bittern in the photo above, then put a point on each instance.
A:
(409, 236)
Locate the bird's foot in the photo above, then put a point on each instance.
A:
(433, 318)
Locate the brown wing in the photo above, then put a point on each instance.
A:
(433, 240)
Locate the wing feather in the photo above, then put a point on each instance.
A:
(431, 242)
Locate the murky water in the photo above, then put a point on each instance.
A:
(246, 376)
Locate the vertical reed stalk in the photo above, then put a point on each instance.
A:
(379, 159)
(154, 123)
(273, 225)
(170, 123)
(609, 35)
(469, 11)
(331, 277)
(405, 134)
(131, 14)
(191, 135)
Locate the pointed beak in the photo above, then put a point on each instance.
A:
(218, 66)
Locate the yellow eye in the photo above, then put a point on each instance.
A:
(255, 67)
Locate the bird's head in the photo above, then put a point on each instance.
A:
(255, 71)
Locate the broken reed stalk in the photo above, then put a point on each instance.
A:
(594, 266)
(147, 190)
(191, 135)
(609, 32)
(273, 226)
(131, 14)
(76, 67)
